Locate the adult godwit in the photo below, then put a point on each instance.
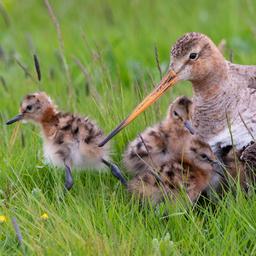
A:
(222, 98)
(69, 140)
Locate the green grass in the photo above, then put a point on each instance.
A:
(115, 41)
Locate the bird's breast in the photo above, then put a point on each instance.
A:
(51, 156)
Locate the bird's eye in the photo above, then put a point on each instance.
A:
(204, 157)
(175, 114)
(29, 108)
(193, 56)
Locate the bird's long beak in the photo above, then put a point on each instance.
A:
(168, 81)
(15, 119)
(189, 126)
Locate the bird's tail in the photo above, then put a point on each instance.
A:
(115, 171)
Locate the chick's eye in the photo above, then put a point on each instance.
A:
(175, 114)
(204, 157)
(29, 108)
(193, 56)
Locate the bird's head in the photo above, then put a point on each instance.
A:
(180, 112)
(199, 155)
(194, 57)
(34, 107)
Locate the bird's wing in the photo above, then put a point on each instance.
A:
(247, 72)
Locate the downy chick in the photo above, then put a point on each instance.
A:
(191, 171)
(68, 140)
(162, 142)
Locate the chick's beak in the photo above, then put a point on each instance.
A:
(15, 119)
(189, 126)
(169, 80)
(218, 168)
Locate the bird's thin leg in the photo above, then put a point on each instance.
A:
(115, 171)
(68, 178)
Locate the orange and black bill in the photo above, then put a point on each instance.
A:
(15, 119)
(168, 81)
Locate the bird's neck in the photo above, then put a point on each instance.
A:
(49, 121)
(212, 84)
(211, 102)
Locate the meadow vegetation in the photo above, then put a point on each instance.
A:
(110, 49)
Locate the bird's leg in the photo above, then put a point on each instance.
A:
(115, 171)
(68, 178)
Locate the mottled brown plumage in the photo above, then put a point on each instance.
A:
(191, 171)
(68, 140)
(163, 141)
(238, 166)
(184, 44)
(248, 158)
(249, 154)
(233, 169)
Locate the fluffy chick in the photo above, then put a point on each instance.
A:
(162, 142)
(192, 171)
(68, 140)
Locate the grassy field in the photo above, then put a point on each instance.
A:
(115, 41)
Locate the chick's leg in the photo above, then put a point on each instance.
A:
(68, 177)
(115, 171)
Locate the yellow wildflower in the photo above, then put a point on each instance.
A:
(3, 219)
(44, 216)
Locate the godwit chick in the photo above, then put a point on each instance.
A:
(69, 140)
(160, 143)
(192, 171)
(223, 101)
